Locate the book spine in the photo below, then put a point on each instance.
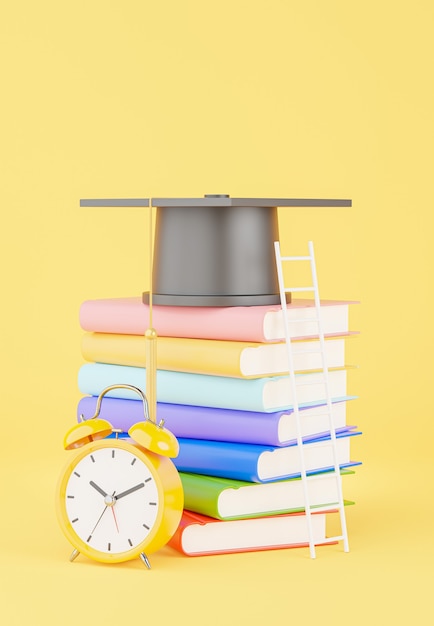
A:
(190, 421)
(213, 458)
(131, 316)
(202, 498)
(198, 356)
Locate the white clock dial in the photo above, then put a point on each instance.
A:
(112, 500)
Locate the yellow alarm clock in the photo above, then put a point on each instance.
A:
(119, 499)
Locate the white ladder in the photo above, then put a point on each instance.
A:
(294, 384)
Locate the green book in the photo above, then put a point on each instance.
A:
(226, 499)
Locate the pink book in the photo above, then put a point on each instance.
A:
(247, 323)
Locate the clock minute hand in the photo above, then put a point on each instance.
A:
(128, 491)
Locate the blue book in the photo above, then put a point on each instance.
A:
(257, 463)
(266, 394)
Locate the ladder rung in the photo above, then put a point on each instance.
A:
(336, 538)
(327, 443)
(321, 475)
(295, 258)
(322, 414)
(324, 509)
(299, 319)
(310, 382)
(318, 351)
(311, 288)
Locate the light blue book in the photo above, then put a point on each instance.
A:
(262, 394)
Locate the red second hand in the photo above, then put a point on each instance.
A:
(114, 517)
(114, 514)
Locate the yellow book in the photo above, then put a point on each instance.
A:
(208, 356)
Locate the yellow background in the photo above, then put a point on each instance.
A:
(276, 98)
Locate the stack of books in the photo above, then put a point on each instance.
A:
(222, 389)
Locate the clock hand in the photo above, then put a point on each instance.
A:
(112, 499)
(99, 519)
(115, 519)
(128, 491)
(95, 486)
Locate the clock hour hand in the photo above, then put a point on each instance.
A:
(128, 491)
(95, 486)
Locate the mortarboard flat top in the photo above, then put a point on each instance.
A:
(215, 201)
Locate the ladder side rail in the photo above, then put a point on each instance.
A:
(328, 396)
(300, 444)
(325, 369)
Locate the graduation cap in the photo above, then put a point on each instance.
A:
(215, 250)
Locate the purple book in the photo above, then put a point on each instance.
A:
(218, 424)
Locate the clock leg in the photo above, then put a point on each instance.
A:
(74, 555)
(145, 560)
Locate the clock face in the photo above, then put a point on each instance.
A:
(112, 500)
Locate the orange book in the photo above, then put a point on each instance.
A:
(237, 359)
(199, 535)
